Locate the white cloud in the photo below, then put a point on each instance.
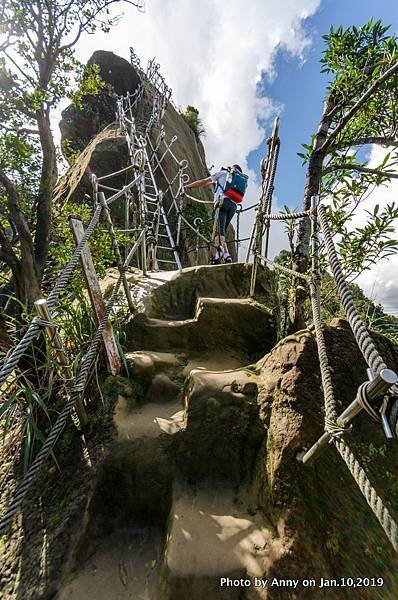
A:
(214, 54)
(380, 283)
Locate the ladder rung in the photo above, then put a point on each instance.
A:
(172, 262)
(165, 247)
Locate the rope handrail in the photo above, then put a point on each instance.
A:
(114, 174)
(108, 188)
(364, 341)
(335, 427)
(255, 206)
(56, 430)
(372, 498)
(285, 216)
(123, 191)
(276, 265)
(147, 240)
(77, 389)
(198, 199)
(11, 361)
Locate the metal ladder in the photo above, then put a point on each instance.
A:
(161, 251)
(165, 253)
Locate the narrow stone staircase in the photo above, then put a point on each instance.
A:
(173, 514)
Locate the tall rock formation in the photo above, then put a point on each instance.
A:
(93, 133)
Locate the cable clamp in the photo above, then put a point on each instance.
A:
(44, 323)
(336, 431)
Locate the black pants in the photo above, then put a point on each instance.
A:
(227, 211)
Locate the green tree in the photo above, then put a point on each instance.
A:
(360, 109)
(37, 70)
(191, 116)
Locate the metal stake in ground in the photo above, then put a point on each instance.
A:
(371, 390)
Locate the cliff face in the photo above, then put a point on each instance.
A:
(92, 132)
(192, 489)
(79, 126)
(187, 483)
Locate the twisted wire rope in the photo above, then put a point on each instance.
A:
(362, 336)
(13, 359)
(77, 389)
(364, 341)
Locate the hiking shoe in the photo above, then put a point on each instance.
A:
(228, 259)
(215, 261)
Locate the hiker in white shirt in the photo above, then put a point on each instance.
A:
(230, 185)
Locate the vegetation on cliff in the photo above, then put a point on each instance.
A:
(38, 68)
(359, 110)
(191, 116)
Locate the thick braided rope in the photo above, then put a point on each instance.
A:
(27, 481)
(13, 359)
(63, 279)
(285, 269)
(76, 391)
(270, 188)
(286, 216)
(369, 493)
(86, 364)
(328, 394)
(358, 473)
(364, 341)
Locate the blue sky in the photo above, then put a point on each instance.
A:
(219, 55)
(301, 88)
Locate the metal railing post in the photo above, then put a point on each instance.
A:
(55, 341)
(115, 245)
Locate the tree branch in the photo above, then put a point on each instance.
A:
(22, 72)
(90, 19)
(15, 210)
(24, 269)
(371, 139)
(48, 180)
(360, 169)
(7, 253)
(391, 71)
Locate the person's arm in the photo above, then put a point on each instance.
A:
(199, 183)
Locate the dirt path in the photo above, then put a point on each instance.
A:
(126, 566)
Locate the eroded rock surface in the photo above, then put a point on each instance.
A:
(201, 483)
(178, 316)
